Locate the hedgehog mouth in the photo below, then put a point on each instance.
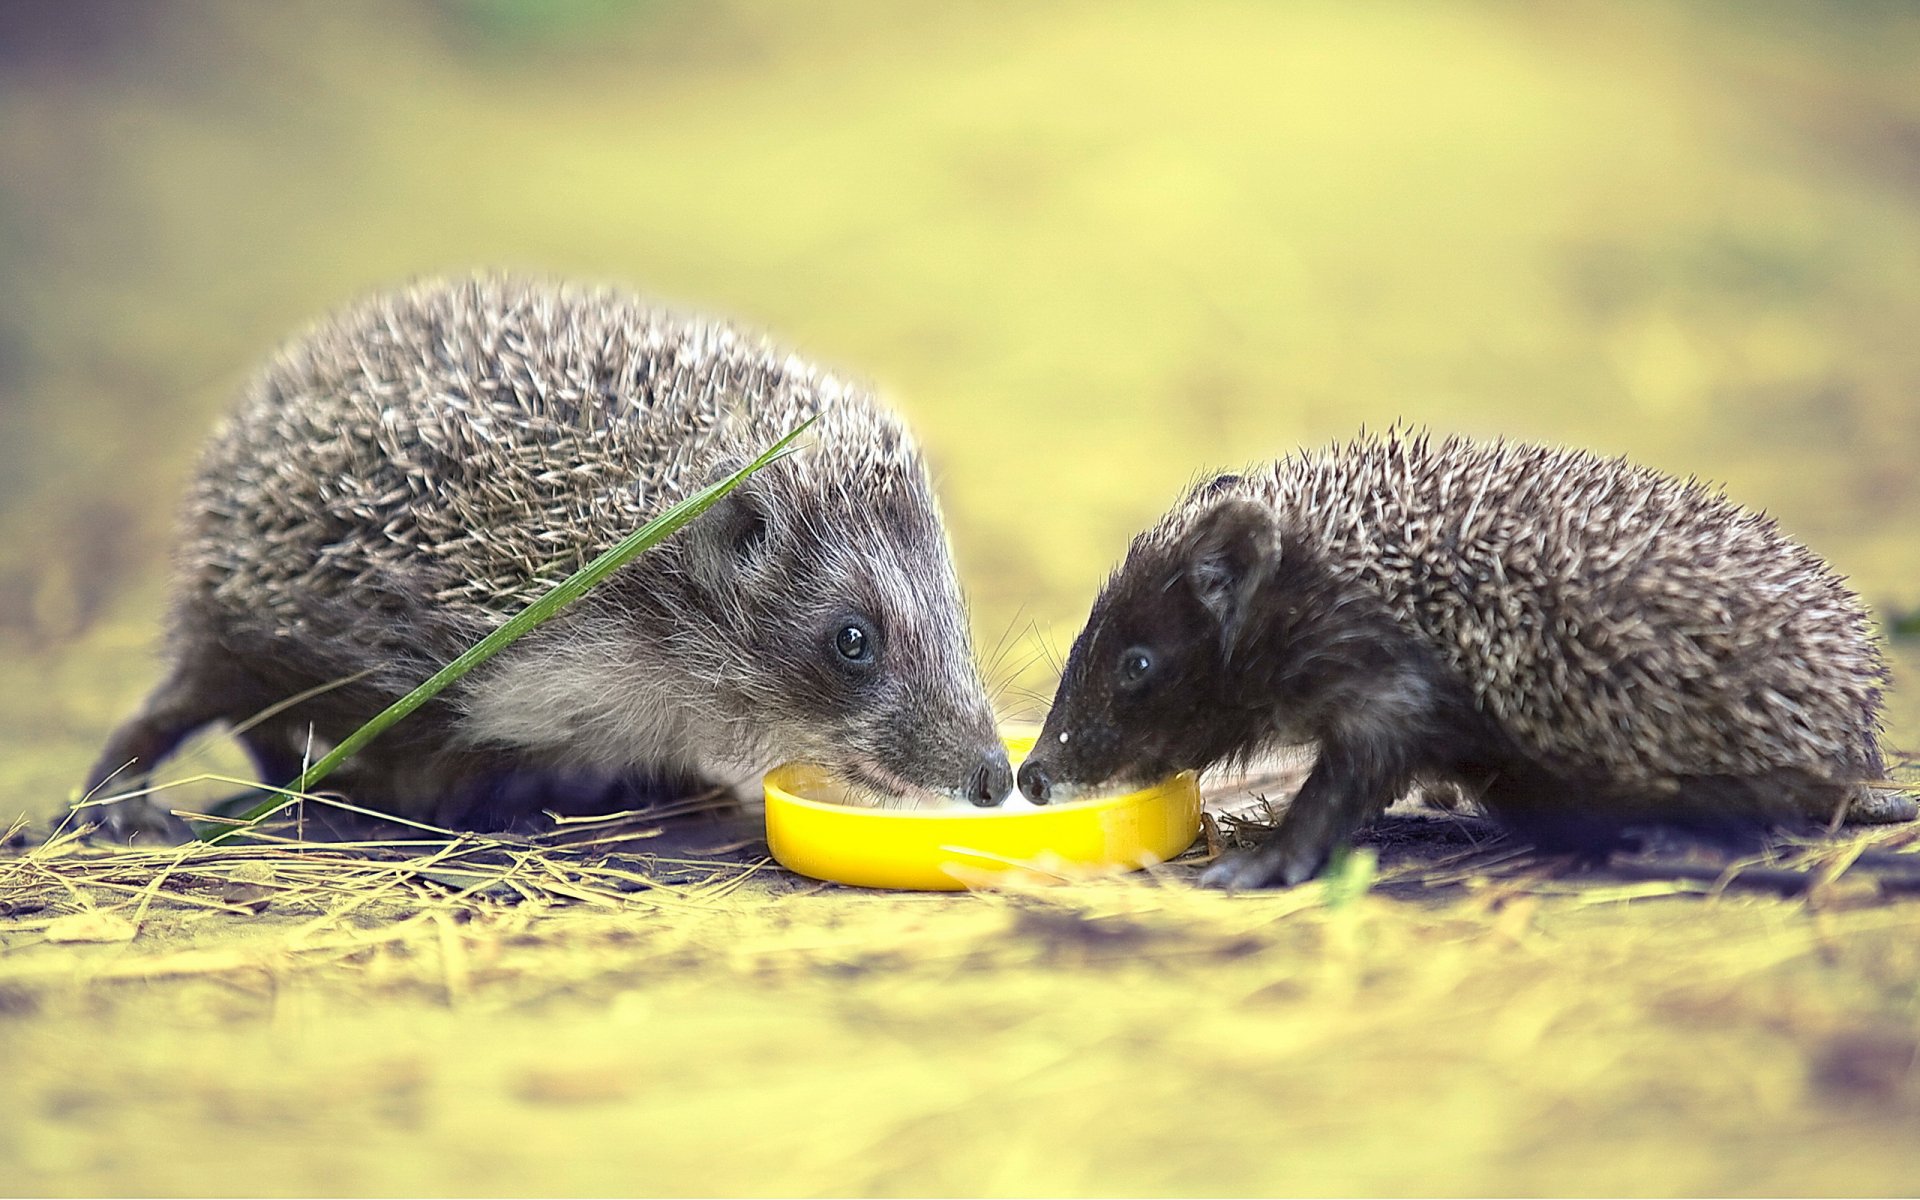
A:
(1127, 777)
(1130, 777)
(888, 788)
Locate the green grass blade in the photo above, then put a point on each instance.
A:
(564, 593)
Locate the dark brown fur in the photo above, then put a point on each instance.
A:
(1588, 644)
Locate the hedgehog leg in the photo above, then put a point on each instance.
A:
(1870, 805)
(1791, 796)
(180, 706)
(513, 796)
(1596, 817)
(1347, 786)
(1555, 813)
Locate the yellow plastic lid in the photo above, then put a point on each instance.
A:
(949, 849)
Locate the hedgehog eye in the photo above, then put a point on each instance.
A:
(1135, 665)
(854, 643)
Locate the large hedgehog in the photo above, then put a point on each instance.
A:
(408, 474)
(1587, 643)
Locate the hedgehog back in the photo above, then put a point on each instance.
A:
(1612, 619)
(415, 469)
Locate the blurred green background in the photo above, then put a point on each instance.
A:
(1091, 250)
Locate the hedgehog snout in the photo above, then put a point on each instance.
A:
(991, 781)
(1036, 783)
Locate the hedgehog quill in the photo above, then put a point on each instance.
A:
(1585, 644)
(414, 470)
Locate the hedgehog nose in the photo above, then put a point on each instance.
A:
(1035, 783)
(990, 781)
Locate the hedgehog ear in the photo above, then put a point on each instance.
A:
(731, 536)
(1231, 551)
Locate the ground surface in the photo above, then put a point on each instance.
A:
(478, 1019)
(1093, 250)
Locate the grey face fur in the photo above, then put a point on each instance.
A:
(408, 474)
(813, 614)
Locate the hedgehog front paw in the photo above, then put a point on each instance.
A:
(1277, 862)
(138, 822)
(1869, 805)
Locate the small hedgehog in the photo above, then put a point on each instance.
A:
(1586, 643)
(412, 472)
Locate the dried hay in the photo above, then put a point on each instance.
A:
(645, 1005)
(698, 869)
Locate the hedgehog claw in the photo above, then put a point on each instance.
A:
(1881, 806)
(1273, 864)
(1229, 873)
(139, 821)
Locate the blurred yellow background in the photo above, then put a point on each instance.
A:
(1091, 250)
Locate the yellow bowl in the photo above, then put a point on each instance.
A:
(948, 849)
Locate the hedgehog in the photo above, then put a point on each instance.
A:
(1589, 645)
(414, 470)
